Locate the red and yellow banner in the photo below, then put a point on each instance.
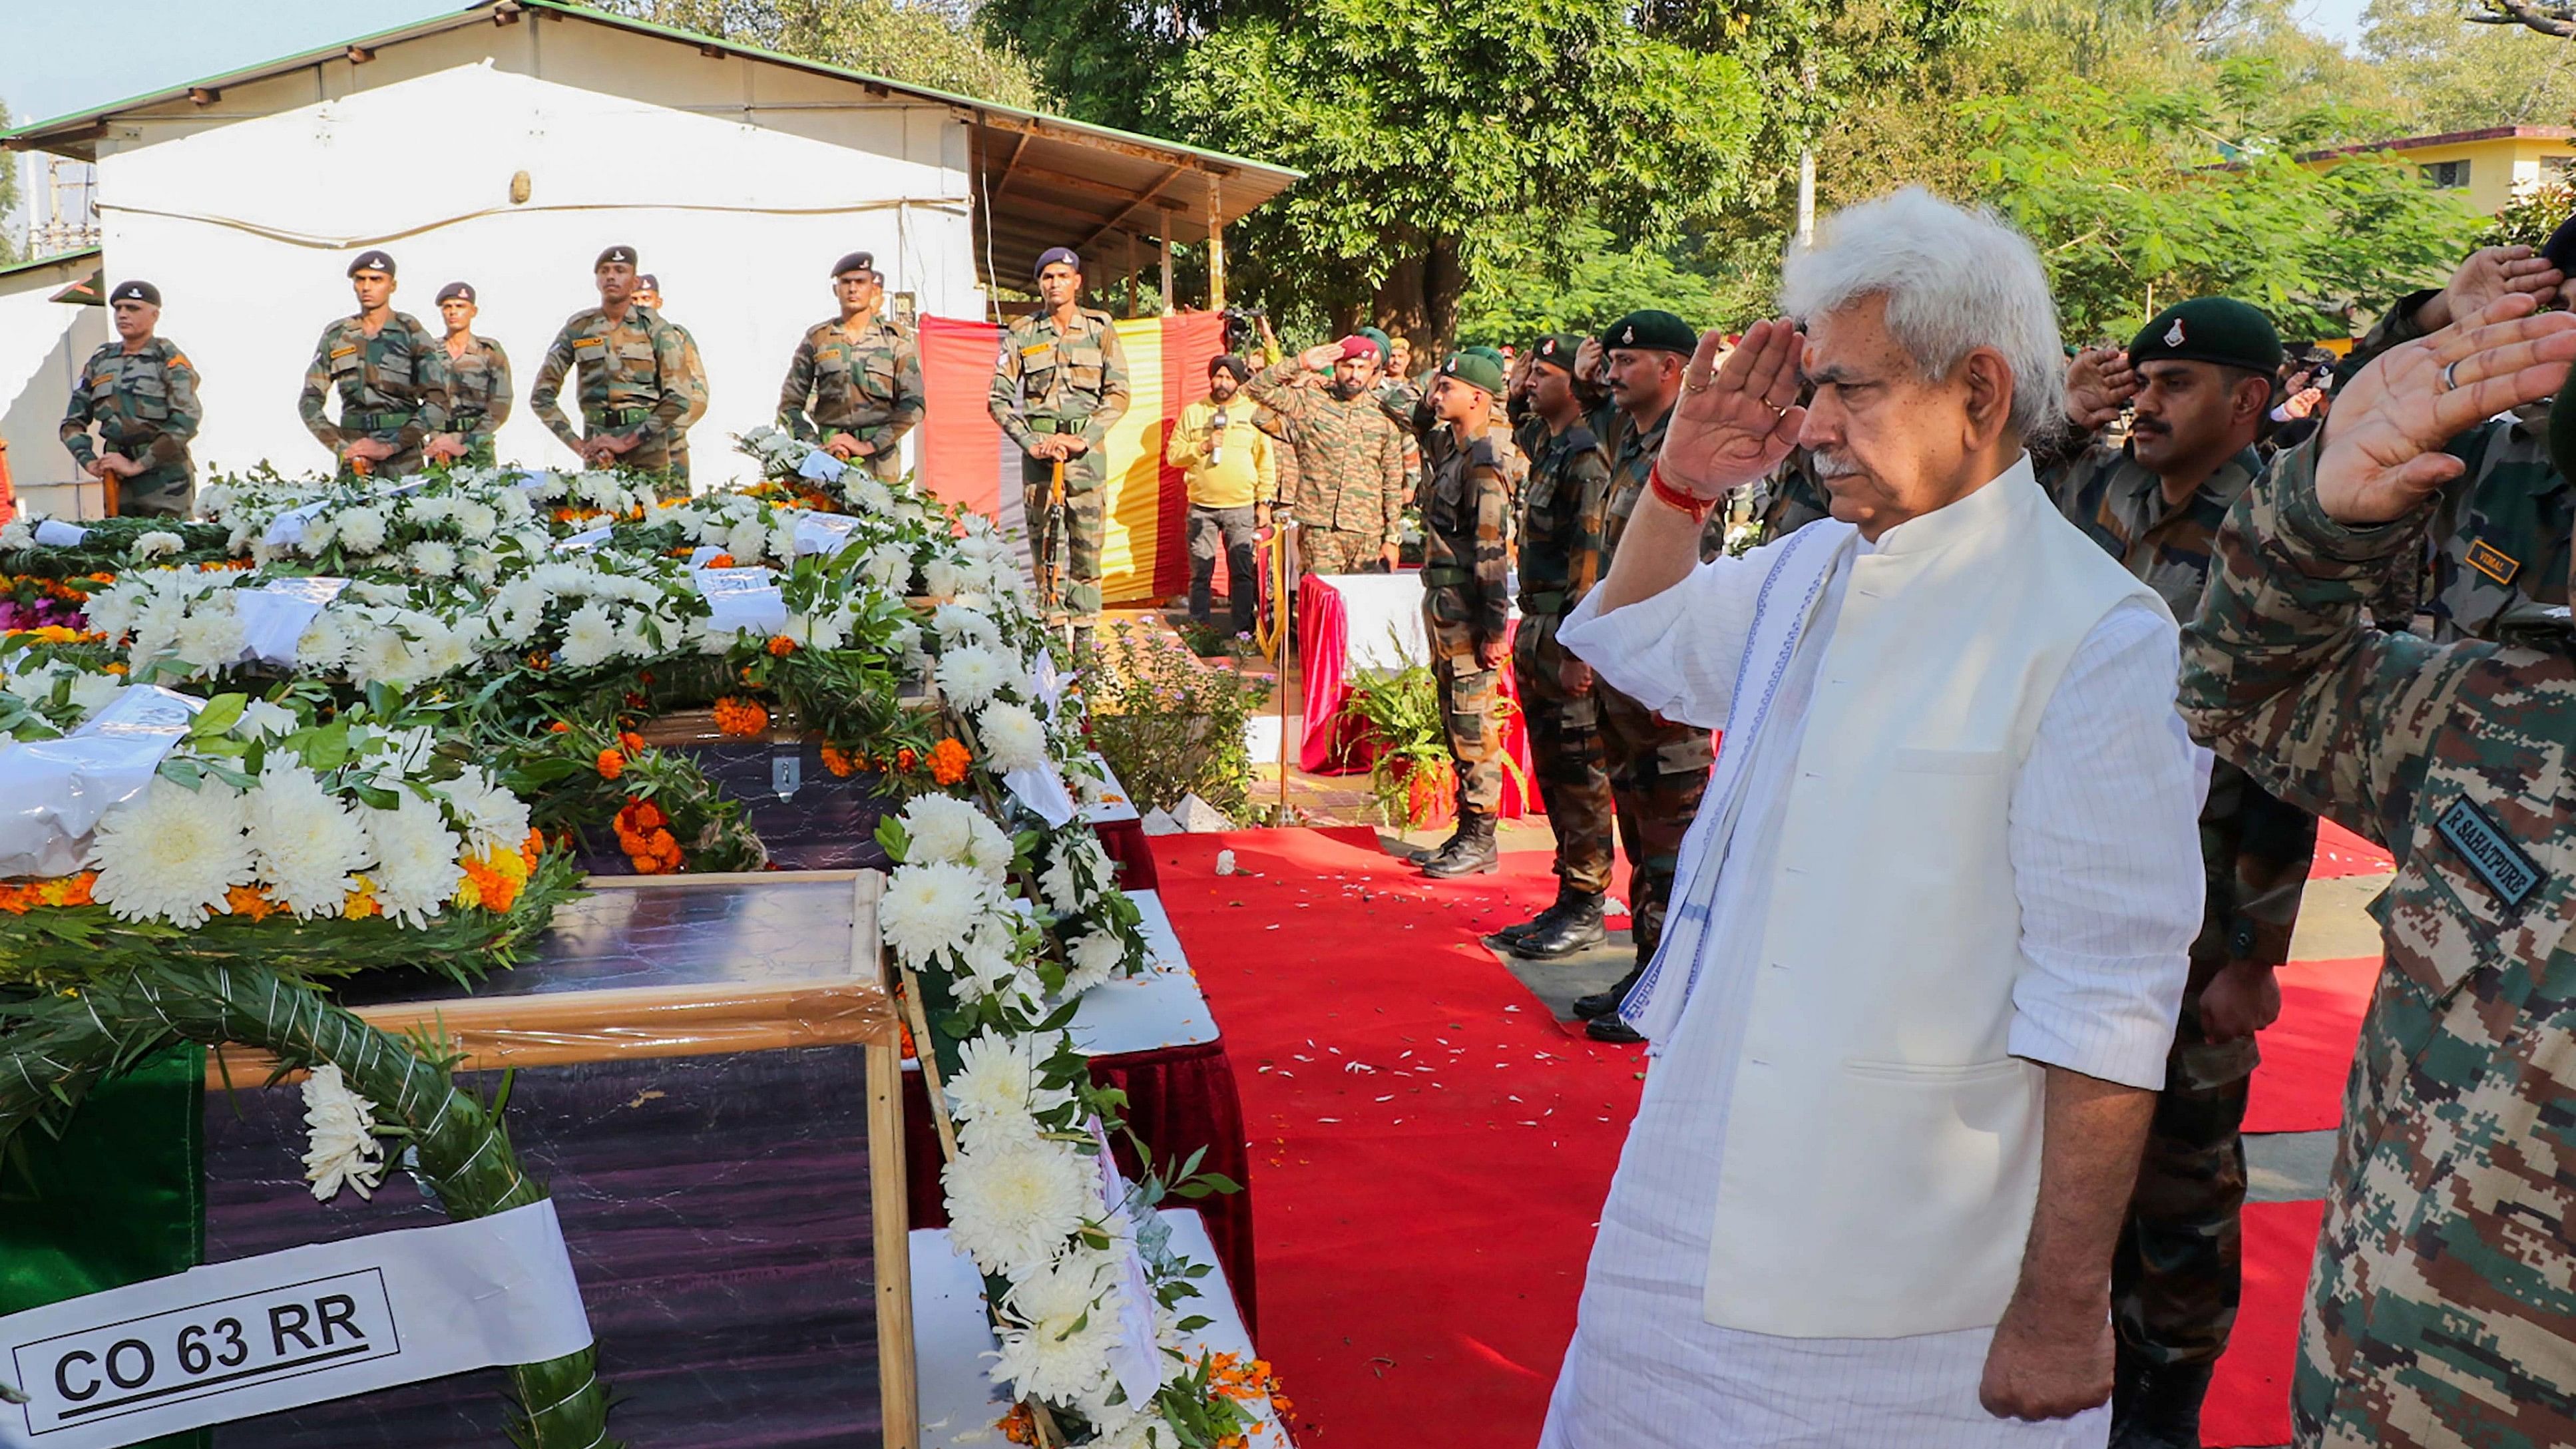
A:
(966, 459)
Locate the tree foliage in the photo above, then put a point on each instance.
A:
(9, 164)
(1600, 283)
(925, 43)
(2450, 75)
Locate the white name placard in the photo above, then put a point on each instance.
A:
(234, 1340)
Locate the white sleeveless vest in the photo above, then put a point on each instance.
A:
(1882, 1156)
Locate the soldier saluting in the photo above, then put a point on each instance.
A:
(855, 381)
(1058, 385)
(141, 393)
(635, 385)
(391, 376)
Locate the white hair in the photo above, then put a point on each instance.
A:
(1955, 280)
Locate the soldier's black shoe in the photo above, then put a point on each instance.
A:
(1469, 852)
(1612, 1030)
(1418, 854)
(1601, 1004)
(2164, 1407)
(1576, 928)
(1540, 922)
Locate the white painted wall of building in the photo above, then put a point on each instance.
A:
(738, 182)
(42, 346)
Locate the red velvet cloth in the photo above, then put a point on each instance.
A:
(1336, 745)
(1179, 1100)
(1129, 845)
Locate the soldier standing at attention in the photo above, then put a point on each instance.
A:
(1560, 559)
(1658, 768)
(1350, 494)
(141, 393)
(2200, 375)
(1466, 605)
(855, 381)
(693, 373)
(478, 383)
(2437, 1309)
(391, 376)
(635, 385)
(1058, 385)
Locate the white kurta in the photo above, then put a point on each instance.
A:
(2097, 880)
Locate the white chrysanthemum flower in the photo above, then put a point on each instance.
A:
(362, 530)
(94, 692)
(1013, 1203)
(991, 964)
(746, 541)
(494, 819)
(172, 854)
(159, 543)
(888, 566)
(1095, 957)
(871, 495)
(381, 653)
(1063, 1324)
(34, 688)
(324, 644)
(940, 577)
(996, 1090)
(927, 908)
(970, 673)
(416, 868)
(210, 638)
(939, 826)
(111, 610)
(475, 518)
(343, 1150)
(261, 718)
(431, 559)
(307, 842)
(442, 650)
(1078, 870)
(904, 638)
(590, 637)
(956, 626)
(1012, 737)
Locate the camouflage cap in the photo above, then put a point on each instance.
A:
(1557, 350)
(135, 292)
(1475, 368)
(2210, 329)
(456, 291)
(856, 262)
(1651, 330)
(373, 261)
(624, 254)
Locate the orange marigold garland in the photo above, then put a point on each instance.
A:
(611, 764)
(643, 832)
(741, 717)
(948, 761)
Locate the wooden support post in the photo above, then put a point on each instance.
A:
(1135, 291)
(1216, 243)
(1166, 242)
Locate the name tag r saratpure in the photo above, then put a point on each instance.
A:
(250, 1337)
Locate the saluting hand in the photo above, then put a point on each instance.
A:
(2489, 273)
(1735, 420)
(2099, 384)
(1320, 357)
(2383, 443)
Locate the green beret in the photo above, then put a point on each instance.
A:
(1651, 331)
(2210, 329)
(1557, 350)
(1492, 355)
(1476, 367)
(1385, 344)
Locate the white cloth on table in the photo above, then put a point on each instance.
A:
(1381, 620)
(1645, 1368)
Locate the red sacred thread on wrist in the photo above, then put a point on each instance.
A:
(1676, 500)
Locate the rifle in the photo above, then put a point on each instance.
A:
(1056, 544)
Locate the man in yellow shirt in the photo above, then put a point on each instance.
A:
(1233, 479)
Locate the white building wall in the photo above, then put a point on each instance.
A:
(738, 182)
(42, 346)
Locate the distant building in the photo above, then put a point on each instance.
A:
(2487, 168)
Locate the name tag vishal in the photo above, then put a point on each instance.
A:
(2489, 851)
(258, 1335)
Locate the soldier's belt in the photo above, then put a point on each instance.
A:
(615, 417)
(375, 422)
(1443, 575)
(1551, 602)
(1056, 425)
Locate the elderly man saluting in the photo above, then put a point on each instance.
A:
(1926, 946)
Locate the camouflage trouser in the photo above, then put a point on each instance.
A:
(1076, 536)
(2177, 1270)
(1658, 771)
(1467, 714)
(1338, 551)
(1567, 756)
(164, 492)
(678, 466)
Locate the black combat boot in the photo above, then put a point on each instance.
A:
(1508, 935)
(1577, 928)
(2164, 1407)
(1612, 1030)
(1469, 852)
(1602, 1005)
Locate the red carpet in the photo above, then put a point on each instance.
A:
(2308, 1053)
(1430, 1146)
(2342, 853)
(2249, 1401)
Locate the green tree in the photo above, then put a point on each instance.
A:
(925, 44)
(1602, 282)
(9, 163)
(2455, 76)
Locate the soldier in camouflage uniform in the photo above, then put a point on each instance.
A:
(2438, 1309)
(478, 383)
(1058, 385)
(692, 375)
(859, 375)
(1348, 496)
(1560, 561)
(1791, 497)
(1466, 604)
(1658, 767)
(2199, 376)
(141, 393)
(2497, 557)
(635, 385)
(391, 376)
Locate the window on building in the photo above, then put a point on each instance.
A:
(2448, 175)
(2553, 169)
